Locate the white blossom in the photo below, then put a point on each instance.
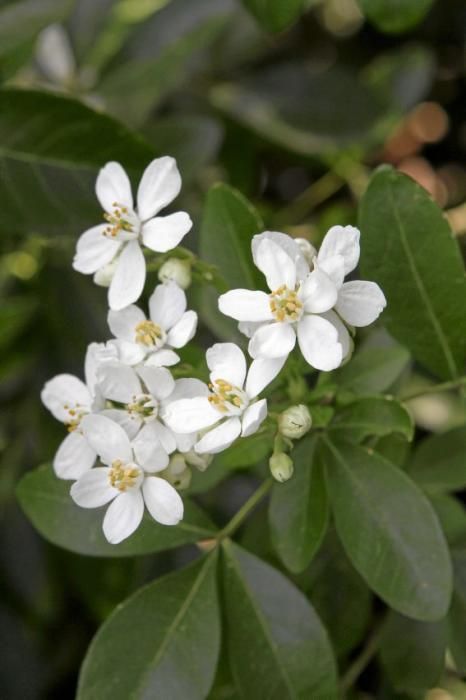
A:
(176, 270)
(152, 339)
(308, 305)
(123, 482)
(228, 408)
(128, 226)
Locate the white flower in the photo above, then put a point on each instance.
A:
(124, 482)
(169, 326)
(140, 397)
(127, 227)
(230, 408)
(301, 302)
(176, 270)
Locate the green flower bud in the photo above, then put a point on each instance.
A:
(295, 421)
(176, 270)
(281, 467)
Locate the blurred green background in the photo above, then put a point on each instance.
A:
(296, 120)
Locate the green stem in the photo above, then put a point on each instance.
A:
(359, 664)
(245, 509)
(436, 389)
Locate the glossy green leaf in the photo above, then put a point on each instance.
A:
(457, 614)
(403, 234)
(439, 463)
(372, 416)
(372, 370)
(452, 517)
(163, 642)
(48, 164)
(298, 509)
(394, 447)
(389, 531)
(274, 636)
(48, 505)
(275, 15)
(413, 652)
(395, 16)
(228, 225)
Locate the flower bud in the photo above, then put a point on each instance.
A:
(178, 474)
(201, 462)
(307, 249)
(295, 421)
(176, 270)
(104, 275)
(281, 467)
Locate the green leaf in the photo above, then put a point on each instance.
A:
(163, 642)
(229, 222)
(48, 163)
(452, 517)
(394, 447)
(372, 416)
(298, 510)
(371, 371)
(48, 505)
(408, 248)
(439, 463)
(413, 652)
(389, 531)
(457, 614)
(275, 15)
(275, 639)
(395, 16)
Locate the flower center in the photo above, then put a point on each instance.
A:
(124, 476)
(144, 406)
(76, 413)
(227, 398)
(123, 224)
(285, 305)
(150, 334)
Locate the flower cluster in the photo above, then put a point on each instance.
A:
(134, 430)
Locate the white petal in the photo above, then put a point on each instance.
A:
(360, 303)
(183, 331)
(261, 373)
(54, 54)
(65, 390)
(167, 305)
(277, 266)
(318, 292)
(113, 186)
(128, 281)
(245, 305)
(343, 335)
(248, 328)
(96, 354)
(118, 382)
(158, 380)
(188, 389)
(129, 353)
(227, 361)
(318, 340)
(107, 438)
(123, 323)
(164, 435)
(74, 457)
(334, 267)
(273, 340)
(219, 438)
(93, 489)
(190, 415)
(148, 451)
(129, 422)
(341, 240)
(94, 250)
(123, 516)
(162, 358)
(160, 184)
(162, 500)
(253, 417)
(166, 232)
(185, 443)
(289, 245)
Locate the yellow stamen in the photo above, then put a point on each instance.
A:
(121, 476)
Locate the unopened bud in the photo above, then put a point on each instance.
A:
(307, 249)
(176, 270)
(295, 421)
(178, 474)
(103, 277)
(201, 462)
(281, 466)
